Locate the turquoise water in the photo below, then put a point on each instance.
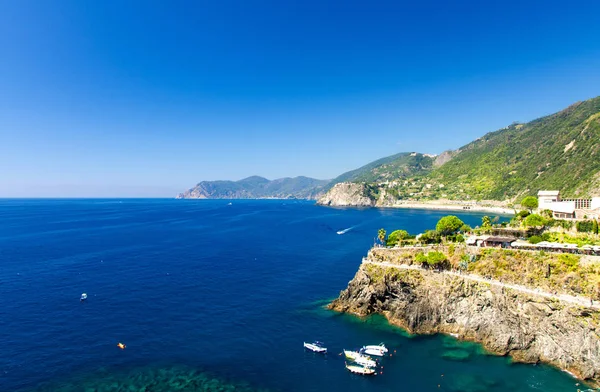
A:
(211, 296)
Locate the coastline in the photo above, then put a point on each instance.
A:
(454, 207)
(527, 324)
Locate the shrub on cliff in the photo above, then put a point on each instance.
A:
(436, 258)
(587, 226)
(421, 258)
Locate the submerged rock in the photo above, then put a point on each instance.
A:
(164, 379)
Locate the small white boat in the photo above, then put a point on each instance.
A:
(360, 359)
(360, 370)
(378, 350)
(83, 297)
(316, 347)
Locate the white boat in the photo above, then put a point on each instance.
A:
(83, 297)
(379, 350)
(360, 359)
(316, 347)
(360, 370)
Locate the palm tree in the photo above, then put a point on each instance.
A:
(381, 236)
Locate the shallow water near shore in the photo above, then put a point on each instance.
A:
(211, 296)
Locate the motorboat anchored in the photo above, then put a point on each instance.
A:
(379, 350)
(83, 297)
(361, 370)
(354, 354)
(360, 359)
(316, 347)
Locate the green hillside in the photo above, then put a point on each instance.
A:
(560, 151)
(402, 165)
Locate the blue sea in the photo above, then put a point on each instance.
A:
(212, 295)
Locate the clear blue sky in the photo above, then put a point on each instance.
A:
(118, 98)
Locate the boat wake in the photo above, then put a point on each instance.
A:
(345, 230)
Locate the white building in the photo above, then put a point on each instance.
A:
(568, 208)
(546, 198)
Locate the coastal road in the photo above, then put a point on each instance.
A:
(581, 301)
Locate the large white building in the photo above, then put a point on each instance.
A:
(568, 208)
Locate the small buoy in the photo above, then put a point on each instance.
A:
(121, 346)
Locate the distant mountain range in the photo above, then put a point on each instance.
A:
(256, 187)
(560, 151)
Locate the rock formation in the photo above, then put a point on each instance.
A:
(526, 327)
(347, 194)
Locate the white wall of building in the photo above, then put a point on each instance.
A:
(595, 203)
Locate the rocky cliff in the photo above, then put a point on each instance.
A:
(347, 194)
(526, 327)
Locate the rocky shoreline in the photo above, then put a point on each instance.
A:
(346, 194)
(529, 328)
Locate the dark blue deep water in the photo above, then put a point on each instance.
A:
(196, 288)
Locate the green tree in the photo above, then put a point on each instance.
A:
(381, 236)
(486, 222)
(530, 202)
(448, 225)
(534, 220)
(430, 237)
(465, 228)
(595, 228)
(396, 237)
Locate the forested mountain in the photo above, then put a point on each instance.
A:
(560, 151)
